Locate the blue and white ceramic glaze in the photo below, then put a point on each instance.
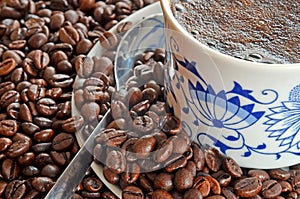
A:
(249, 111)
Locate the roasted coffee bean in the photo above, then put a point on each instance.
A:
(10, 169)
(6, 86)
(271, 189)
(72, 124)
(4, 143)
(90, 111)
(40, 59)
(111, 137)
(68, 34)
(261, 174)
(8, 127)
(144, 146)
(30, 171)
(286, 186)
(108, 40)
(61, 81)
(37, 40)
(43, 122)
(62, 141)
(41, 147)
(50, 170)
(183, 179)
(115, 161)
(29, 128)
(248, 187)
(36, 92)
(124, 26)
(92, 184)
(132, 173)
(7, 66)
(296, 183)
(110, 175)
(164, 151)
(164, 181)
(160, 193)
(9, 97)
(26, 158)
(15, 189)
(232, 167)
(171, 125)
(18, 148)
(202, 184)
(45, 135)
(175, 162)
(25, 113)
(46, 107)
(42, 184)
(213, 159)
(192, 193)
(279, 174)
(143, 124)
(132, 192)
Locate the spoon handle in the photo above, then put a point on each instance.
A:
(66, 184)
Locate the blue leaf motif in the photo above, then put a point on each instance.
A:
(186, 110)
(232, 138)
(247, 154)
(262, 146)
(235, 100)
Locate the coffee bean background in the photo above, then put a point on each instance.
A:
(43, 48)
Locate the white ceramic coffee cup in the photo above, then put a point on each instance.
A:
(249, 111)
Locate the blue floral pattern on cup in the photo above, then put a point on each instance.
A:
(233, 111)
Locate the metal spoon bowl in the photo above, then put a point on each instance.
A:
(68, 181)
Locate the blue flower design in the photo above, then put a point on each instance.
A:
(284, 124)
(218, 111)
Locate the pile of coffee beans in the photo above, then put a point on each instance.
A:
(145, 150)
(43, 48)
(43, 61)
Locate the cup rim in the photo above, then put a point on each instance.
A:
(166, 7)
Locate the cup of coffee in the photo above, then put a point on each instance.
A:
(233, 77)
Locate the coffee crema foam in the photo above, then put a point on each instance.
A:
(265, 31)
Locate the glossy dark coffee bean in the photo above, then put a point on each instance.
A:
(72, 124)
(192, 193)
(6, 66)
(171, 125)
(202, 184)
(18, 148)
(26, 158)
(30, 171)
(183, 179)
(108, 40)
(160, 193)
(60, 158)
(45, 135)
(43, 122)
(6, 86)
(68, 34)
(115, 160)
(50, 170)
(231, 166)
(15, 189)
(25, 113)
(61, 81)
(5, 143)
(279, 174)
(10, 169)
(110, 175)
(271, 189)
(164, 151)
(9, 97)
(164, 181)
(132, 192)
(42, 184)
(143, 124)
(29, 128)
(144, 146)
(248, 187)
(63, 141)
(213, 159)
(46, 107)
(111, 137)
(261, 174)
(41, 147)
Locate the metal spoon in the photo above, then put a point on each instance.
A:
(66, 184)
